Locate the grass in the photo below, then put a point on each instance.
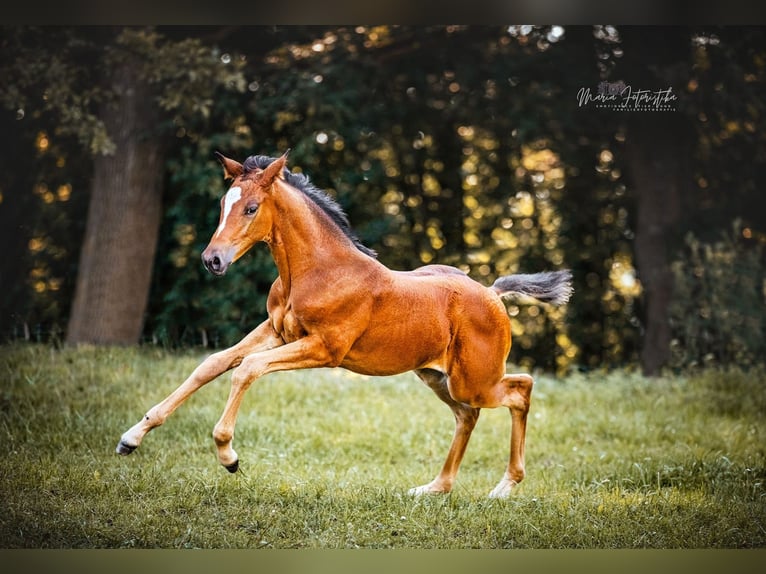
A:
(613, 461)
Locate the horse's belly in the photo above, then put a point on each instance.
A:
(399, 347)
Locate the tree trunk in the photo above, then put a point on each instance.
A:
(652, 154)
(659, 146)
(123, 220)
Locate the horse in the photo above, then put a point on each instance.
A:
(334, 304)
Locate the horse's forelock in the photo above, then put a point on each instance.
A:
(256, 162)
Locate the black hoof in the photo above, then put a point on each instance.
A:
(124, 448)
(233, 467)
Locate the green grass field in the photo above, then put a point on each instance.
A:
(613, 461)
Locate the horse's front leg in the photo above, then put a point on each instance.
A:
(262, 337)
(306, 353)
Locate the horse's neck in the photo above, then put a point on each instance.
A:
(304, 240)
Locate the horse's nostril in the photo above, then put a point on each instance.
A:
(214, 263)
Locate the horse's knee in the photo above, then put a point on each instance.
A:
(239, 377)
(250, 369)
(518, 392)
(521, 382)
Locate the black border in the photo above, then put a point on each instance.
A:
(292, 12)
(334, 12)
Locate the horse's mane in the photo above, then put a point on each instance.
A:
(326, 203)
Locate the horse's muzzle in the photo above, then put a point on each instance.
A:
(216, 261)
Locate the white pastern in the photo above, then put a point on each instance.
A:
(232, 196)
(503, 489)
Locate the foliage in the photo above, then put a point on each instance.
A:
(461, 145)
(42, 199)
(727, 97)
(613, 461)
(188, 73)
(719, 308)
(63, 70)
(56, 89)
(51, 70)
(395, 136)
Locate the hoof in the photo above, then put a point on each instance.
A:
(233, 467)
(124, 448)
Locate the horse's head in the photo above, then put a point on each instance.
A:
(245, 212)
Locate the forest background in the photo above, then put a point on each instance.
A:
(633, 155)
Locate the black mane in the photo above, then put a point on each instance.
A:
(320, 198)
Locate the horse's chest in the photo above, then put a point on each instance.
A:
(287, 324)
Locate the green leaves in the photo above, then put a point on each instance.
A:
(461, 145)
(719, 312)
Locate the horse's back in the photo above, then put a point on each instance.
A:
(434, 270)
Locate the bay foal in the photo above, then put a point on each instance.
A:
(335, 305)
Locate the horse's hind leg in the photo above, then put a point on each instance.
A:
(465, 421)
(514, 392)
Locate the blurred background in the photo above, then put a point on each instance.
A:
(633, 155)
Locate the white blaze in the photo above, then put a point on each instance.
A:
(232, 197)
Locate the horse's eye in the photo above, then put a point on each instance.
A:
(251, 209)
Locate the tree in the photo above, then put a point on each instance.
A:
(122, 91)
(694, 168)
(659, 148)
(123, 216)
(462, 145)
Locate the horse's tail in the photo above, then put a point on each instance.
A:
(554, 287)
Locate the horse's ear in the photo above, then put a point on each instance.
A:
(231, 168)
(275, 169)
